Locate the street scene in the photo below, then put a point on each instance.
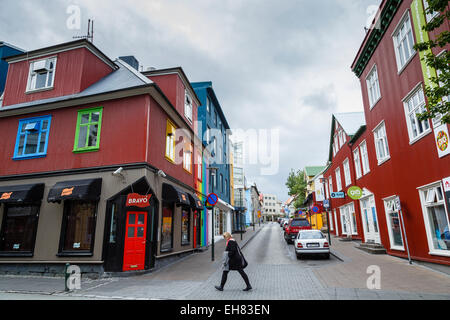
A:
(225, 151)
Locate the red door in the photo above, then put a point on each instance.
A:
(195, 229)
(135, 240)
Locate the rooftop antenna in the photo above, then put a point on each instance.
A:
(90, 32)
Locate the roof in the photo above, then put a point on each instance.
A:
(122, 78)
(314, 170)
(6, 44)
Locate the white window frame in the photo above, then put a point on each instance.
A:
(437, 121)
(381, 128)
(330, 184)
(32, 88)
(347, 175)
(425, 205)
(188, 108)
(348, 209)
(409, 30)
(187, 159)
(388, 203)
(428, 16)
(357, 162)
(373, 87)
(338, 179)
(416, 95)
(364, 157)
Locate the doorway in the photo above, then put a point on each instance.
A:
(135, 241)
(370, 221)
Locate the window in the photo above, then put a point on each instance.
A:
(167, 228)
(381, 143)
(373, 87)
(403, 42)
(436, 219)
(357, 161)
(330, 183)
(348, 219)
(199, 167)
(208, 105)
(87, 135)
(226, 187)
(415, 104)
(187, 158)
(221, 182)
(429, 16)
(185, 227)
(208, 135)
(437, 119)
(170, 141)
(32, 138)
(19, 229)
(42, 74)
(338, 179)
(393, 224)
(364, 157)
(78, 227)
(188, 106)
(348, 179)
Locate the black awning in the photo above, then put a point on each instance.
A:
(171, 193)
(196, 203)
(88, 190)
(27, 193)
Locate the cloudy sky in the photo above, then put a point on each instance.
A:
(281, 66)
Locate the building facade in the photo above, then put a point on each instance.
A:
(399, 162)
(6, 50)
(97, 164)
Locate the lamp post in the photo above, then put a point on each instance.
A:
(213, 171)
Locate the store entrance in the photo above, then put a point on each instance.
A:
(135, 241)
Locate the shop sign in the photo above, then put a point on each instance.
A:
(442, 140)
(337, 195)
(446, 183)
(137, 200)
(6, 196)
(326, 203)
(67, 192)
(355, 192)
(183, 196)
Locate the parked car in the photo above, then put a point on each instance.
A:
(293, 228)
(311, 242)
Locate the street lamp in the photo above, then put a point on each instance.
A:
(213, 171)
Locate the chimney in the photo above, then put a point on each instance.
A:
(132, 61)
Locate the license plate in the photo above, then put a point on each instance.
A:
(313, 245)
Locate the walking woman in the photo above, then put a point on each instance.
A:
(233, 260)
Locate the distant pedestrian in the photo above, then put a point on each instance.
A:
(233, 259)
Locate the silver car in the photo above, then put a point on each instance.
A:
(311, 242)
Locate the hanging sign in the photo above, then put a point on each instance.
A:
(6, 196)
(337, 195)
(67, 192)
(137, 200)
(442, 140)
(355, 192)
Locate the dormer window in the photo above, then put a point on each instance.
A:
(188, 106)
(42, 74)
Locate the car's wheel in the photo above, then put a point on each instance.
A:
(327, 256)
(299, 256)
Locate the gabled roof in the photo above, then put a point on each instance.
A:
(312, 171)
(353, 124)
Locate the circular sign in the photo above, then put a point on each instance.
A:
(442, 140)
(355, 192)
(315, 209)
(212, 199)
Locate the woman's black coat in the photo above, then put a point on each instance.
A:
(235, 261)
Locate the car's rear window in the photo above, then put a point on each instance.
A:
(300, 223)
(311, 235)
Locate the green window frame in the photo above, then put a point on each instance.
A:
(87, 134)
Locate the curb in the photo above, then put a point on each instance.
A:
(336, 255)
(249, 239)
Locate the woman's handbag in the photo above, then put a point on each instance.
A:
(244, 262)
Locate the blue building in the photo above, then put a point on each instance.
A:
(214, 129)
(6, 50)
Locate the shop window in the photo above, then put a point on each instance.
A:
(167, 228)
(87, 135)
(42, 74)
(393, 223)
(170, 141)
(436, 219)
(18, 232)
(78, 228)
(32, 138)
(185, 226)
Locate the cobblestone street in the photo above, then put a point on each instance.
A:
(274, 272)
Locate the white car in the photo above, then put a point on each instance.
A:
(311, 242)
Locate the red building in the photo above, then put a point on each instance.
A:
(387, 152)
(96, 163)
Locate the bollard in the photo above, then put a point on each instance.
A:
(66, 277)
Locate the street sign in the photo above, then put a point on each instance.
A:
(355, 192)
(326, 203)
(315, 209)
(212, 199)
(337, 195)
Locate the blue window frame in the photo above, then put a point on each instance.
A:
(32, 138)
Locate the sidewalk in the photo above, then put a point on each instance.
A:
(396, 273)
(185, 274)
